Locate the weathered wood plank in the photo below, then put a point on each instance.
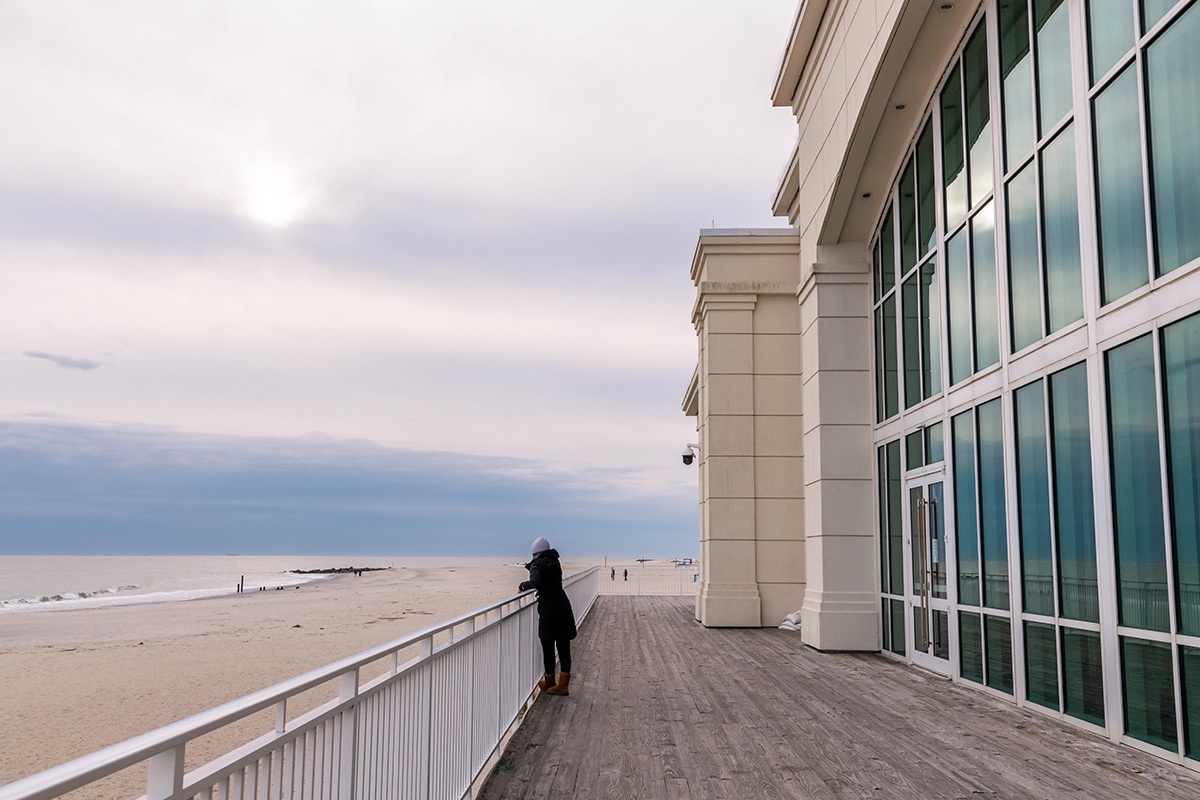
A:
(661, 707)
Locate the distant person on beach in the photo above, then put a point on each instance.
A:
(556, 619)
(613, 576)
(625, 574)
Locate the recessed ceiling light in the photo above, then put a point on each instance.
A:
(946, 6)
(900, 106)
(866, 195)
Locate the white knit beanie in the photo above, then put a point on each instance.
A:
(540, 544)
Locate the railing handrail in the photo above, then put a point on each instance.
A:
(109, 760)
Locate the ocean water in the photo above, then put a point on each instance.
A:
(48, 583)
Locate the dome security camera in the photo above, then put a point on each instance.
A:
(690, 452)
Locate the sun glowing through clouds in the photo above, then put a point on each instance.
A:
(273, 194)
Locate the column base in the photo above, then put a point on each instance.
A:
(729, 605)
(845, 621)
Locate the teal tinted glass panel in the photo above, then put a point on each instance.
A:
(908, 218)
(941, 634)
(933, 444)
(895, 521)
(1189, 663)
(898, 627)
(1041, 665)
(882, 485)
(880, 371)
(1083, 675)
(1173, 71)
(1060, 223)
(1149, 689)
(999, 653)
(914, 450)
(970, 646)
(1024, 271)
(885, 634)
(954, 162)
(962, 432)
(926, 192)
(983, 271)
(1074, 517)
(993, 533)
(979, 117)
(1016, 67)
(1137, 487)
(911, 296)
(1181, 370)
(1120, 195)
(887, 253)
(876, 272)
(1110, 29)
(931, 340)
(1054, 61)
(1033, 500)
(958, 279)
(891, 376)
(1153, 11)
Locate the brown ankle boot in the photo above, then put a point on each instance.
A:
(547, 681)
(564, 680)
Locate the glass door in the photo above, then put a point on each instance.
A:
(928, 561)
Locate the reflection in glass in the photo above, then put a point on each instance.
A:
(958, 279)
(1083, 675)
(1173, 72)
(925, 190)
(882, 483)
(898, 627)
(1110, 33)
(920, 634)
(1054, 61)
(999, 653)
(920, 536)
(1120, 196)
(979, 120)
(935, 523)
(887, 253)
(908, 218)
(953, 159)
(933, 444)
(1181, 370)
(914, 451)
(1016, 67)
(941, 634)
(931, 344)
(910, 296)
(983, 262)
(891, 378)
(1033, 501)
(1060, 221)
(886, 624)
(1041, 665)
(970, 646)
(1137, 488)
(962, 432)
(895, 521)
(1149, 685)
(1189, 662)
(994, 535)
(1024, 274)
(1074, 520)
(1153, 11)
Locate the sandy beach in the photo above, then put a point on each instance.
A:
(78, 680)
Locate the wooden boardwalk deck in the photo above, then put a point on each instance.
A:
(663, 708)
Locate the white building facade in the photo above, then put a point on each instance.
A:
(953, 412)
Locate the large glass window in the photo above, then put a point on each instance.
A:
(1024, 267)
(891, 533)
(1060, 221)
(1053, 61)
(998, 634)
(954, 162)
(1120, 197)
(1033, 500)
(993, 531)
(1110, 30)
(1181, 378)
(1016, 69)
(983, 274)
(970, 646)
(1083, 675)
(962, 429)
(958, 278)
(1173, 81)
(1149, 685)
(979, 118)
(1041, 665)
(1074, 515)
(1137, 487)
(1189, 658)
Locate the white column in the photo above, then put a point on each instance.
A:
(841, 601)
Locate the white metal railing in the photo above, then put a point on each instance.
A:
(424, 729)
(652, 580)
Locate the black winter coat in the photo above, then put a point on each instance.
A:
(556, 619)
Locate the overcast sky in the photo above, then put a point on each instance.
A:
(254, 255)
